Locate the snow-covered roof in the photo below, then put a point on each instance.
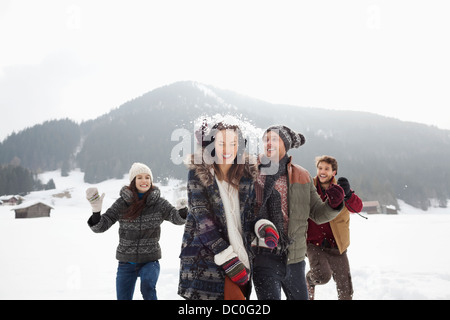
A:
(30, 204)
(8, 197)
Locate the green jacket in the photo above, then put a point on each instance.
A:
(304, 202)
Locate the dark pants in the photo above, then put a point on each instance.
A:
(271, 274)
(127, 274)
(327, 262)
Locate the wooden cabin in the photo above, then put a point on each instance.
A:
(9, 200)
(391, 209)
(372, 207)
(34, 210)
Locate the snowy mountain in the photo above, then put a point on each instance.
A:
(384, 159)
(61, 258)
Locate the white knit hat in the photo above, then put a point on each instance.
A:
(139, 168)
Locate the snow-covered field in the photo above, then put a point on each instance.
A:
(402, 256)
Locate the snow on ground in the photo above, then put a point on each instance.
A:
(400, 256)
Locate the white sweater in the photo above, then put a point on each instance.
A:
(230, 199)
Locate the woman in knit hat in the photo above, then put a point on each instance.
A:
(216, 257)
(140, 211)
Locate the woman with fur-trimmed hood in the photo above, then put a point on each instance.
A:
(216, 257)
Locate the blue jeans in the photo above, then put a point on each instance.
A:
(271, 274)
(127, 274)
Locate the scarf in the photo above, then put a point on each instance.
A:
(271, 203)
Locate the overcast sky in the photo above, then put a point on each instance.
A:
(80, 59)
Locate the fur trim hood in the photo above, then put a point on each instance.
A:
(205, 171)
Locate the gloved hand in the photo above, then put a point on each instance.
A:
(269, 234)
(236, 271)
(343, 182)
(183, 212)
(335, 195)
(94, 199)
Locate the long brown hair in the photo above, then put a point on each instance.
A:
(136, 207)
(236, 171)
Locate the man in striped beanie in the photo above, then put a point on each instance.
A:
(286, 197)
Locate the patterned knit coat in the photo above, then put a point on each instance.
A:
(139, 238)
(206, 232)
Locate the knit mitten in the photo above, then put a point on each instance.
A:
(183, 212)
(269, 234)
(236, 271)
(335, 195)
(95, 199)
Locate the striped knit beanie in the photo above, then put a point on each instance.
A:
(289, 137)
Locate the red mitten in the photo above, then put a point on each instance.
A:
(270, 235)
(236, 270)
(335, 195)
